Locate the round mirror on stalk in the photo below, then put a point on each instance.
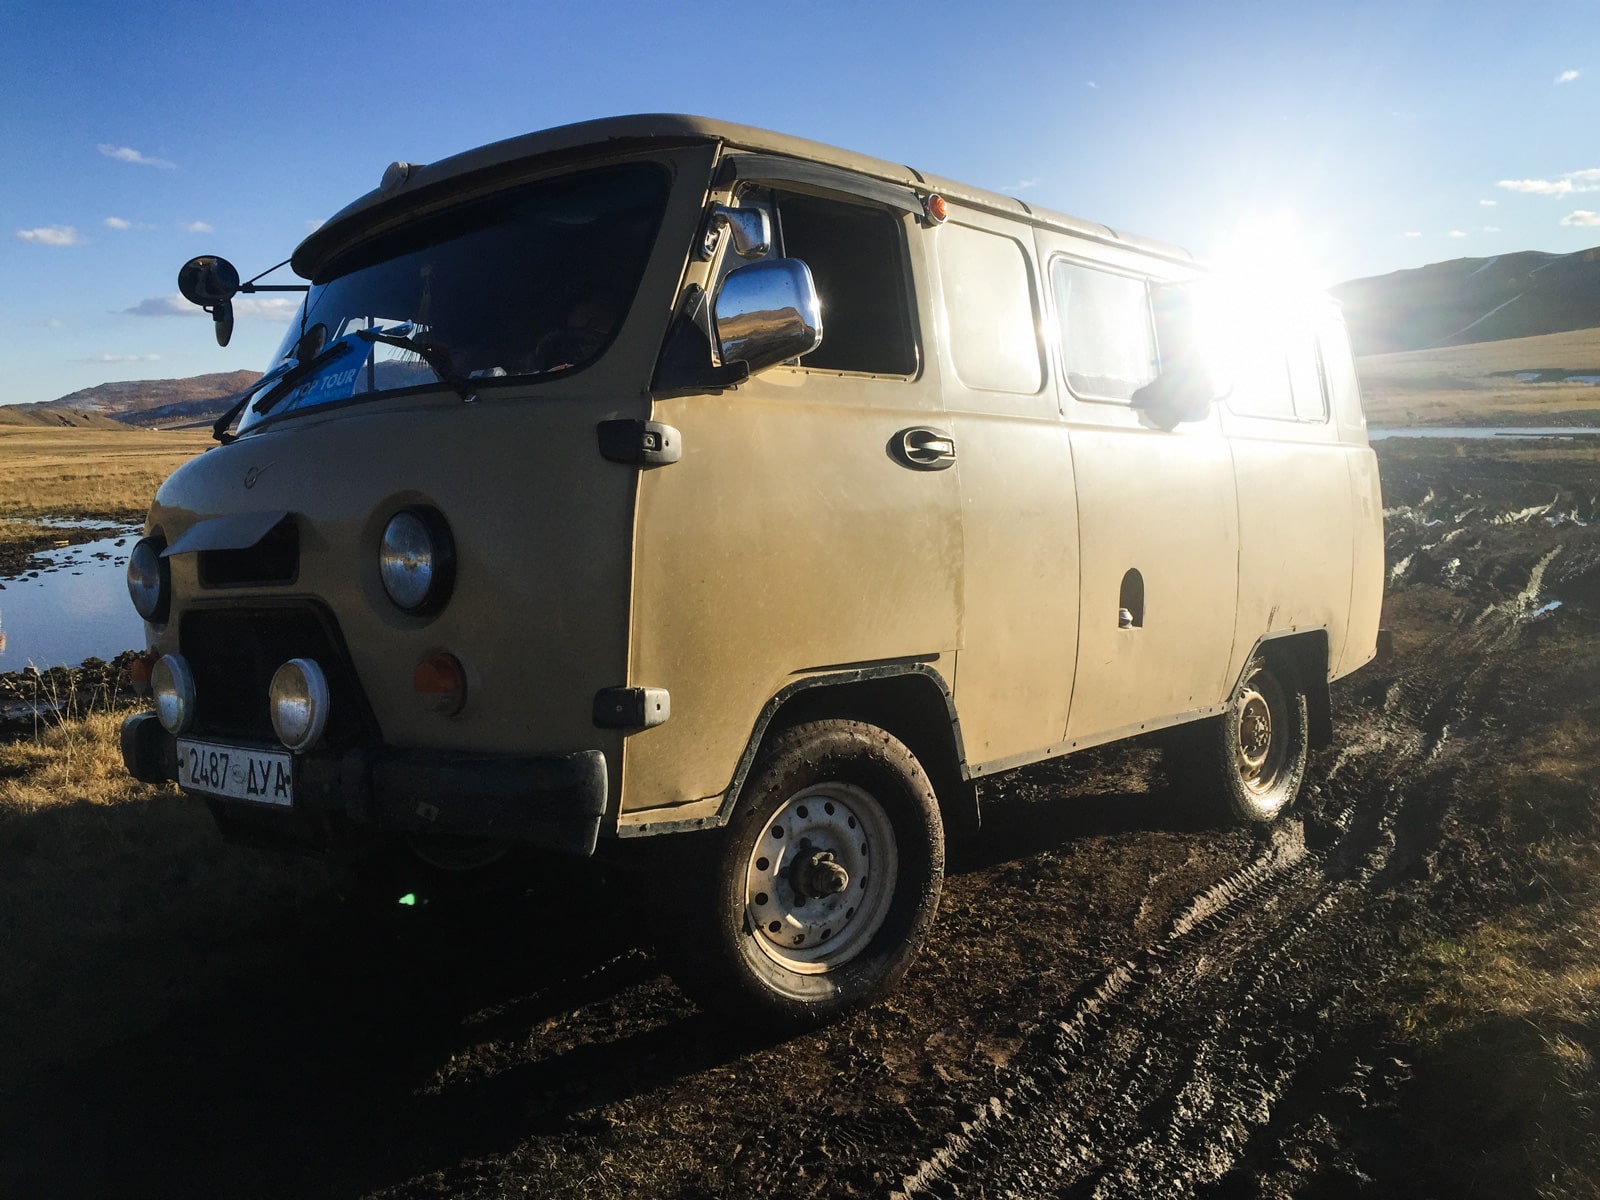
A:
(212, 283)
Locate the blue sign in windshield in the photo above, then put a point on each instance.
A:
(335, 381)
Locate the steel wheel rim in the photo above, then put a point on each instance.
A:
(815, 835)
(1261, 748)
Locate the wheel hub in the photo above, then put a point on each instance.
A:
(1260, 754)
(820, 877)
(816, 873)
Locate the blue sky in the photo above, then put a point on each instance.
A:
(1374, 136)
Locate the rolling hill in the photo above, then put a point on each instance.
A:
(1473, 300)
(149, 402)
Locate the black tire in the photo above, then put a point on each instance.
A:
(815, 898)
(1257, 749)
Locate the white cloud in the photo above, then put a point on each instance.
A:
(1488, 203)
(1567, 76)
(52, 322)
(1412, 233)
(313, 226)
(272, 308)
(128, 154)
(1020, 185)
(50, 235)
(118, 223)
(1573, 181)
(1491, 229)
(198, 227)
(164, 306)
(1456, 233)
(1582, 217)
(1094, 85)
(121, 358)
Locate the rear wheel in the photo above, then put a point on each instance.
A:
(817, 895)
(1251, 761)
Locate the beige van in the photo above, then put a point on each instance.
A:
(658, 478)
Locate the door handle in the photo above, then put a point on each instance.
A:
(923, 449)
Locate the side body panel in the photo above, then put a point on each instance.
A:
(1295, 534)
(1020, 528)
(787, 538)
(1160, 503)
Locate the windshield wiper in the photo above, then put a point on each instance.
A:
(436, 356)
(280, 379)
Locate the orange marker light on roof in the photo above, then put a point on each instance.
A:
(440, 682)
(935, 208)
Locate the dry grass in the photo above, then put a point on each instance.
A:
(1507, 1018)
(105, 473)
(116, 894)
(1476, 384)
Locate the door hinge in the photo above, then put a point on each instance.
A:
(631, 707)
(643, 443)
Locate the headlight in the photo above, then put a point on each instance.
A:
(150, 579)
(172, 685)
(417, 560)
(298, 697)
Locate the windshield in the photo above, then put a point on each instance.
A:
(529, 282)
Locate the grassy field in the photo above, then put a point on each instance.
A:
(110, 474)
(1477, 384)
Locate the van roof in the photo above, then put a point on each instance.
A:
(678, 129)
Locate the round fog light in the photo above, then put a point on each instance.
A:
(172, 684)
(298, 697)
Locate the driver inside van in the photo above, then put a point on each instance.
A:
(589, 326)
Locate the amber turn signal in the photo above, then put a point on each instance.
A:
(441, 682)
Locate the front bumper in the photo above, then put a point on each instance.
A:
(554, 801)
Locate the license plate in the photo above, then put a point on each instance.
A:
(237, 772)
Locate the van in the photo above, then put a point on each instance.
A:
(664, 488)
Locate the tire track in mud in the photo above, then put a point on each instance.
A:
(1167, 1069)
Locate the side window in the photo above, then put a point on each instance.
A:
(1338, 367)
(1261, 385)
(1305, 379)
(994, 340)
(1108, 345)
(1283, 383)
(857, 257)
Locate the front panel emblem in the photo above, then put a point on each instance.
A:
(253, 474)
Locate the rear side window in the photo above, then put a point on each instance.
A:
(857, 257)
(1261, 386)
(1284, 384)
(994, 340)
(1305, 380)
(1338, 367)
(1108, 345)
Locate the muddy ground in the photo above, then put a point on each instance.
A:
(1120, 998)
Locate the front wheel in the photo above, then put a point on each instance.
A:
(817, 895)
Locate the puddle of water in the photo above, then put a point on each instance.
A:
(1528, 431)
(76, 608)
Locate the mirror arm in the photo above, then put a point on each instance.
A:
(274, 287)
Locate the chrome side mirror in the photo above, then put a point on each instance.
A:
(750, 228)
(212, 283)
(766, 313)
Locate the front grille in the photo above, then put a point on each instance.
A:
(274, 559)
(234, 652)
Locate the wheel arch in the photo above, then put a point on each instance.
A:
(912, 701)
(1305, 652)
